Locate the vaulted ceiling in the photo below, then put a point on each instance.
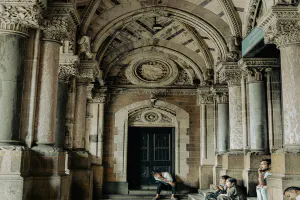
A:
(195, 34)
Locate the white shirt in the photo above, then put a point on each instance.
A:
(298, 197)
(165, 175)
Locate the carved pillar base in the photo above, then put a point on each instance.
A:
(217, 169)
(233, 165)
(48, 170)
(205, 176)
(97, 181)
(250, 174)
(14, 167)
(82, 175)
(285, 173)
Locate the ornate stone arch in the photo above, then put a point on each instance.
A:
(200, 18)
(164, 114)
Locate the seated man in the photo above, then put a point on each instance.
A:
(292, 193)
(263, 173)
(220, 189)
(165, 181)
(234, 192)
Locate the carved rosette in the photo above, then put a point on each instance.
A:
(60, 22)
(229, 72)
(256, 68)
(67, 67)
(86, 69)
(18, 16)
(281, 25)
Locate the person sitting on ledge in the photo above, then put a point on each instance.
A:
(220, 189)
(164, 181)
(292, 193)
(263, 174)
(234, 191)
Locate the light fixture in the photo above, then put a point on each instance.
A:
(157, 26)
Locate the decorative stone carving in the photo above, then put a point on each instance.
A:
(121, 78)
(89, 89)
(100, 95)
(151, 117)
(20, 15)
(183, 78)
(281, 25)
(84, 50)
(251, 16)
(229, 72)
(152, 72)
(205, 96)
(67, 67)
(13, 148)
(148, 116)
(86, 71)
(60, 22)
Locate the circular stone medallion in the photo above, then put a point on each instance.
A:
(152, 72)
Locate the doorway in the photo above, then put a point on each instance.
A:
(149, 148)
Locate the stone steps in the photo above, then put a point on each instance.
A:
(140, 196)
(202, 194)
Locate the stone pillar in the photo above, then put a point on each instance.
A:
(67, 69)
(233, 161)
(206, 101)
(82, 181)
(48, 161)
(255, 69)
(282, 27)
(95, 117)
(15, 182)
(223, 122)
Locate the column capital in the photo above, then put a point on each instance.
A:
(205, 96)
(229, 72)
(17, 16)
(220, 93)
(67, 67)
(254, 68)
(281, 25)
(100, 95)
(86, 71)
(60, 22)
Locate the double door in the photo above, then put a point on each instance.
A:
(149, 149)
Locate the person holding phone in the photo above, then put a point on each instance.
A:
(263, 174)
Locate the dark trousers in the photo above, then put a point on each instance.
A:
(164, 186)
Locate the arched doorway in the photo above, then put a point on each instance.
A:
(147, 114)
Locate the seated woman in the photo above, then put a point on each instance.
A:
(234, 191)
(220, 189)
(165, 181)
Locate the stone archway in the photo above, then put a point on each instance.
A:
(167, 115)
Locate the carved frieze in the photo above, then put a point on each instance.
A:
(205, 96)
(149, 116)
(281, 25)
(18, 16)
(220, 93)
(86, 71)
(229, 72)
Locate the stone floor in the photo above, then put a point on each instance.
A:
(202, 193)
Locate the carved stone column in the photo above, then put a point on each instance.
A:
(206, 102)
(282, 27)
(233, 161)
(95, 117)
(15, 20)
(82, 180)
(67, 69)
(48, 161)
